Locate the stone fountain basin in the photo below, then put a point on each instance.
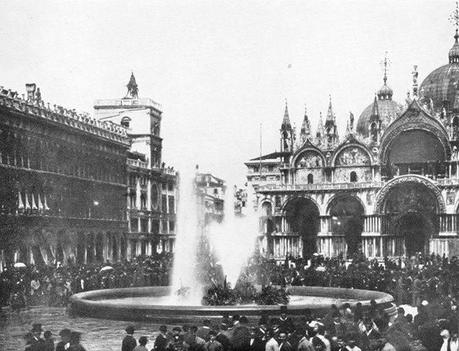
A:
(147, 304)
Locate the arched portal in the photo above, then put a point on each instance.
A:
(303, 217)
(415, 229)
(347, 213)
(410, 210)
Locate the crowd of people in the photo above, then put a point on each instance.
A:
(408, 280)
(52, 285)
(343, 328)
(429, 283)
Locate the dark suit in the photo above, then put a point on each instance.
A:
(240, 338)
(60, 346)
(161, 342)
(256, 345)
(286, 325)
(37, 345)
(224, 340)
(128, 343)
(285, 346)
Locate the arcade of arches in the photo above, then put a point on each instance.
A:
(48, 246)
(407, 219)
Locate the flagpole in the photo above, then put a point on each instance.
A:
(261, 147)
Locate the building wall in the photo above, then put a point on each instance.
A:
(152, 186)
(350, 189)
(63, 184)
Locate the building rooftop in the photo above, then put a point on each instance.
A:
(127, 103)
(33, 105)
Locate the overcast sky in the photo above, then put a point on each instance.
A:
(220, 68)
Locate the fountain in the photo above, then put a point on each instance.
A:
(232, 242)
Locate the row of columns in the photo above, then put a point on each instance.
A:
(137, 247)
(448, 223)
(285, 246)
(372, 224)
(79, 247)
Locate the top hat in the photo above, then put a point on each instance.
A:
(283, 308)
(36, 327)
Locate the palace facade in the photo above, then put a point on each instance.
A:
(388, 187)
(75, 188)
(63, 183)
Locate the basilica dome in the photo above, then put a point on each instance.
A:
(387, 108)
(442, 85)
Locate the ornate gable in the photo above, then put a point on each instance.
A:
(414, 118)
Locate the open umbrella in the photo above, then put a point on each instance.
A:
(106, 268)
(19, 265)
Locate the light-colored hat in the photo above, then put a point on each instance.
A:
(445, 333)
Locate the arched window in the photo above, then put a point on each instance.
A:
(374, 132)
(267, 209)
(353, 177)
(310, 178)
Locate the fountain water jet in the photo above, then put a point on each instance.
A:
(184, 274)
(233, 240)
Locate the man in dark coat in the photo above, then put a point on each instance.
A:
(222, 338)
(129, 342)
(161, 340)
(65, 340)
(285, 323)
(240, 335)
(36, 342)
(255, 342)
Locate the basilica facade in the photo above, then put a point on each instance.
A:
(388, 187)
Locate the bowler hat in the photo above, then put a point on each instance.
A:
(65, 332)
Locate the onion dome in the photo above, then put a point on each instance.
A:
(387, 110)
(442, 84)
